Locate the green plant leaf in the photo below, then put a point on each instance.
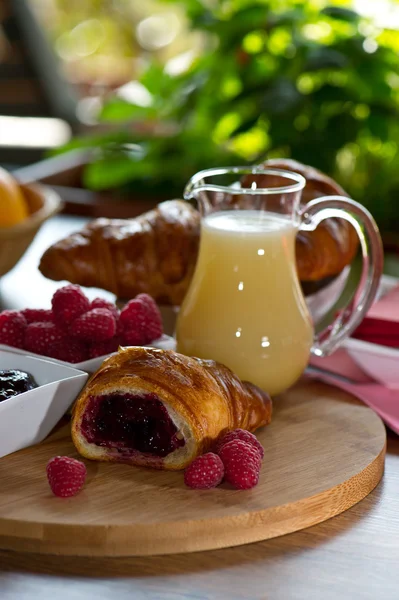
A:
(193, 8)
(117, 109)
(94, 141)
(281, 96)
(246, 125)
(109, 172)
(341, 13)
(323, 57)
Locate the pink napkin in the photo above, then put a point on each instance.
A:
(381, 325)
(384, 401)
(387, 307)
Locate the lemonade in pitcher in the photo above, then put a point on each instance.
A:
(245, 307)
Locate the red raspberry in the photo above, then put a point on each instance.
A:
(12, 328)
(150, 302)
(37, 315)
(95, 325)
(66, 476)
(242, 475)
(69, 302)
(134, 337)
(239, 448)
(106, 347)
(241, 463)
(70, 350)
(42, 338)
(141, 320)
(240, 434)
(101, 303)
(156, 329)
(205, 472)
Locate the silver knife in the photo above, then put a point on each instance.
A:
(312, 370)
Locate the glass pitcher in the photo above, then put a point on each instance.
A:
(245, 307)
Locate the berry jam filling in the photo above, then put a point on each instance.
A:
(14, 382)
(131, 422)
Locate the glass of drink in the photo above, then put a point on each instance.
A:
(245, 306)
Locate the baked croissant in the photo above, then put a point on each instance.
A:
(157, 251)
(161, 409)
(154, 253)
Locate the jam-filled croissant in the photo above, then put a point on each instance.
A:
(160, 409)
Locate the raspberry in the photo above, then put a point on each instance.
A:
(240, 434)
(149, 301)
(95, 325)
(204, 472)
(101, 303)
(242, 475)
(70, 350)
(141, 321)
(66, 476)
(42, 338)
(106, 347)
(156, 328)
(37, 315)
(240, 449)
(69, 302)
(241, 463)
(12, 328)
(134, 337)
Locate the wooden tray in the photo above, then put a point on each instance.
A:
(324, 452)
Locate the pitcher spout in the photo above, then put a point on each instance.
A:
(248, 188)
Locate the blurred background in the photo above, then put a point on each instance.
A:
(118, 102)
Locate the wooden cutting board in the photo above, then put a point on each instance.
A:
(324, 452)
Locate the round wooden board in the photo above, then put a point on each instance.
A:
(324, 452)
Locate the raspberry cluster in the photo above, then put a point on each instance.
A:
(237, 459)
(76, 329)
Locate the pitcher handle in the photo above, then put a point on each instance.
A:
(366, 228)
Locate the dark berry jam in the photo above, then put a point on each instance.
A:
(130, 423)
(14, 382)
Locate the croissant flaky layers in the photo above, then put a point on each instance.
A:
(154, 253)
(160, 409)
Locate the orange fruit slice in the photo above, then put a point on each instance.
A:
(13, 207)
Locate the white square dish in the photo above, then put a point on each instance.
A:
(379, 362)
(28, 418)
(165, 343)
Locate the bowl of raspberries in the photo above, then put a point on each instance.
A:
(80, 332)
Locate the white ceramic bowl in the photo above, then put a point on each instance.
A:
(91, 365)
(28, 418)
(379, 362)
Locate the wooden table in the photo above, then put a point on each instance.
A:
(353, 556)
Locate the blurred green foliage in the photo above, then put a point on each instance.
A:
(276, 78)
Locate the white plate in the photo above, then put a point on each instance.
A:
(28, 418)
(165, 343)
(379, 362)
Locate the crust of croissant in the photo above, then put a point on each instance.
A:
(203, 399)
(153, 253)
